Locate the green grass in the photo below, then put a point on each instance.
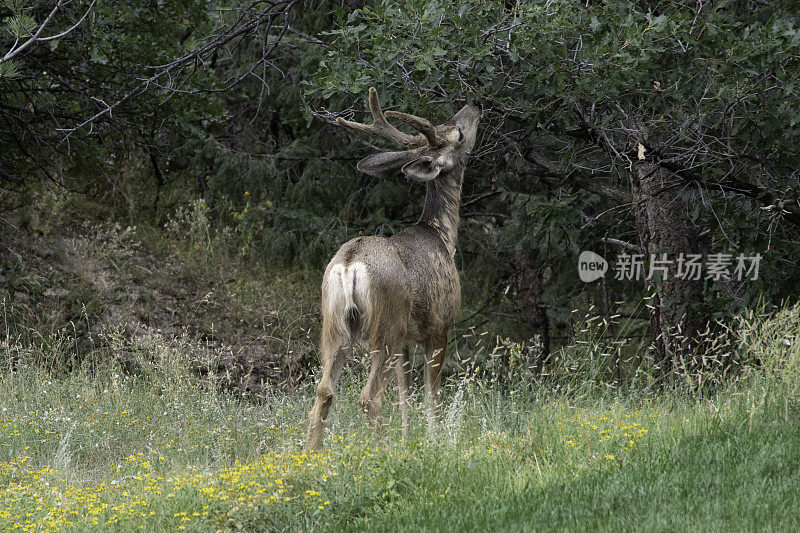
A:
(162, 450)
(725, 480)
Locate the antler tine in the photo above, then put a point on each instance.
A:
(422, 125)
(379, 124)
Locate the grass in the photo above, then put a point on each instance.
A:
(717, 480)
(166, 450)
(132, 424)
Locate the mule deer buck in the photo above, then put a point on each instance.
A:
(392, 292)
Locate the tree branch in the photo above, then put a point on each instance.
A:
(35, 38)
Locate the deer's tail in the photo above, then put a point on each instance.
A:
(346, 295)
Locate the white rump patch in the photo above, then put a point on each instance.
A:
(347, 289)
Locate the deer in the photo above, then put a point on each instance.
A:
(395, 292)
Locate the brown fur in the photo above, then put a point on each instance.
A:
(392, 292)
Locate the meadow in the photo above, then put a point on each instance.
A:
(124, 426)
(164, 450)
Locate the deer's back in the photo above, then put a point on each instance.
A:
(414, 270)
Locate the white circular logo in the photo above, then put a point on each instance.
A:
(591, 266)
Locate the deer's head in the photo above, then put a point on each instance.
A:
(434, 151)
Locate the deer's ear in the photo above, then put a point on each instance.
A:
(385, 164)
(422, 169)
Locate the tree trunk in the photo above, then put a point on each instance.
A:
(677, 313)
(528, 278)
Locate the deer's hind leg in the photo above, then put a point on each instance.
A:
(387, 329)
(333, 351)
(379, 373)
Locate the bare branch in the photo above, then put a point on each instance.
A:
(34, 38)
(69, 30)
(623, 244)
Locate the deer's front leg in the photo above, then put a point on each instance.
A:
(435, 354)
(403, 375)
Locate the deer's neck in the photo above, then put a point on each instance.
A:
(442, 199)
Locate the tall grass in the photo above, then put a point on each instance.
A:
(151, 442)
